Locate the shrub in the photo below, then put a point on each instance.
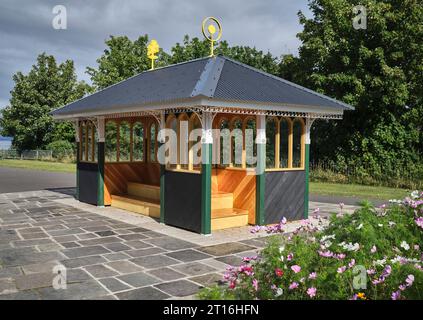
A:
(377, 248)
(61, 149)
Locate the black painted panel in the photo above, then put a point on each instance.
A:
(88, 182)
(284, 196)
(183, 200)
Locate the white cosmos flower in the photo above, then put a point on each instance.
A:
(360, 226)
(279, 292)
(405, 246)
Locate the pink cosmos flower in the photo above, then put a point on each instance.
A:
(290, 256)
(325, 254)
(371, 271)
(373, 249)
(293, 286)
(419, 222)
(402, 287)
(351, 264)
(396, 295)
(340, 256)
(342, 269)
(232, 285)
(296, 268)
(409, 280)
(312, 292)
(312, 276)
(255, 284)
(341, 205)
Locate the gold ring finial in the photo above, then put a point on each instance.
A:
(211, 23)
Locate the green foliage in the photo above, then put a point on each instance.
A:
(385, 244)
(46, 87)
(378, 71)
(61, 149)
(122, 59)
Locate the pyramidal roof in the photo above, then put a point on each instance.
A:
(215, 78)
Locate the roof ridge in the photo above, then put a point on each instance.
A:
(297, 86)
(207, 83)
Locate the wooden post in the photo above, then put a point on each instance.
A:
(100, 160)
(308, 124)
(78, 150)
(161, 139)
(260, 169)
(206, 154)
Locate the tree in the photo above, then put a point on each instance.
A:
(195, 48)
(46, 87)
(123, 59)
(377, 70)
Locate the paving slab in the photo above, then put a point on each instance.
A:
(147, 293)
(139, 279)
(166, 274)
(194, 268)
(226, 248)
(179, 288)
(153, 262)
(114, 285)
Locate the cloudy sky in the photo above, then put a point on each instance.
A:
(26, 28)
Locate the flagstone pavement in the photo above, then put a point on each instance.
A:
(107, 253)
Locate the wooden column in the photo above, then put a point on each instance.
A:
(161, 159)
(100, 160)
(206, 155)
(260, 169)
(308, 124)
(78, 155)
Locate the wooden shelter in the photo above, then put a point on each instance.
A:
(118, 141)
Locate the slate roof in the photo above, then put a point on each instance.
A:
(217, 78)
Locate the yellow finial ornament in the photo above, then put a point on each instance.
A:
(152, 50)
(211, 24)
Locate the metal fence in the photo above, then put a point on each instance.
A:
(398, 177)
(43, 155)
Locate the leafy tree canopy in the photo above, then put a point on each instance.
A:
(46, 87)
(378, 70)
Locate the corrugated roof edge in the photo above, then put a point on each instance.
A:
(345, 105)
(134, 76)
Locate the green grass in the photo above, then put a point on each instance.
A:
(319, 188)
(39, 165)
(358, 191)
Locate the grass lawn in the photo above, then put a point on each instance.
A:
(319, 188)
(39, 165)
(356, 190)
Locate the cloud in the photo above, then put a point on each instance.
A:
(26, 28)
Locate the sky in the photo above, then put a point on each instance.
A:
(26, 28)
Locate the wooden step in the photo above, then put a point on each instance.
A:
(228, 218)
(136, 204)
(144, 190)
(222, 200)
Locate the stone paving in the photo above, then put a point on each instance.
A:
(107, 253)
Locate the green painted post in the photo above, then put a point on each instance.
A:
(206, 150)
(306, 167)
(260, 170)
(77, 171)
(162, 190)
(100, 174)
(260, 183)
